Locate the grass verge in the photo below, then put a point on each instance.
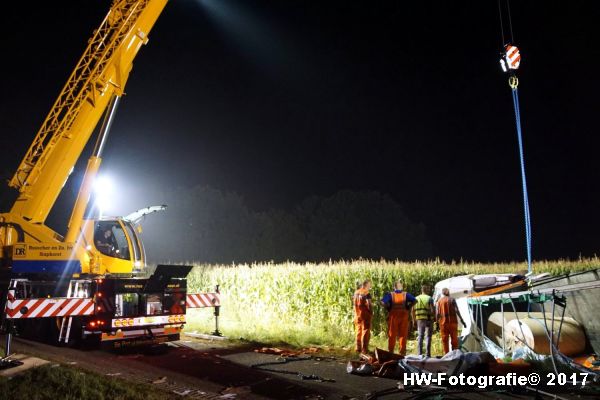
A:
(50, 382)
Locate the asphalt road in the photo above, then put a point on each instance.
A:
(215, 369)
(201, 369)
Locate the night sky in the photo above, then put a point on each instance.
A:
(279, 100)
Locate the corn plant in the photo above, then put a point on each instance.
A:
(309, 303)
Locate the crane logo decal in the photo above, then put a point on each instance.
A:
(20, 251)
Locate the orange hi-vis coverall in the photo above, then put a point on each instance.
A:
(446, 310)
(362, 319)
(398, 323)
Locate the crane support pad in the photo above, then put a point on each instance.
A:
(201, 300)
(44, 308)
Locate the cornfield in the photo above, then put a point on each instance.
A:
(305, 304)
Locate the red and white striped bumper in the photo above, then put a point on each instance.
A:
(201, 300)
(44, 308)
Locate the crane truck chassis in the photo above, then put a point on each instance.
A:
(92, 283)
(112, 312)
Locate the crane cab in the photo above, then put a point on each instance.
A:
(113, 246)
(107, 246)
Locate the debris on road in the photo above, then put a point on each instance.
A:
(18, 363)
(359, 368)
(237, 390)
(454, 363)
(182, 392)
(204, 336)
(287, 353)
(382, 364)
(590, 362)
(286, 357)
(313, 377)
(160, 380)
(389, 365)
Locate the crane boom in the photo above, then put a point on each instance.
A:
(100, 74)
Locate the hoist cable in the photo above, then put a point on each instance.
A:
(510, 63)
(501, 23)
(515, 96)
(512, 37)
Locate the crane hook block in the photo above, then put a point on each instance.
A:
(511, 58)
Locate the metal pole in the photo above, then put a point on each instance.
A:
(481, 318)
(552, 326)
(8, 339)
(503, 336)
(9, 322)
(216, 332)
(106, 124)
(6, 362)
(217, 310)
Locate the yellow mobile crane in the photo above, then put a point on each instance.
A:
(90, 279)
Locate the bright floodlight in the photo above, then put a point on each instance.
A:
(103, 192)
(103, 184)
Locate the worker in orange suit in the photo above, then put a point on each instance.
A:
(363, 314)
(398, 304)
(177, 305)
(447, 315)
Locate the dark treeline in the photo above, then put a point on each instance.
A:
(207, 225)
